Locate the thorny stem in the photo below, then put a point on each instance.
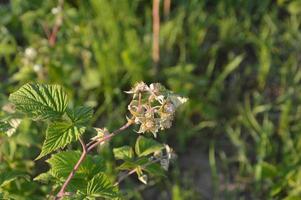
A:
(86, 150)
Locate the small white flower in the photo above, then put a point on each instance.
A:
(56, 10)
(37, 67)
(30, 53)
(177, 100)
(160, 98)
(14, 123)
(139, 87)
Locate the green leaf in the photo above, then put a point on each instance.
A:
(154, 169)
(44, 177)
(80, 115)
(268, 170)
(130, 165)
(40, 101)
(294, 7)
(123, 153)
(100, 186)
(145, 146)
(9, 176)
(60, 134)
(62, 164)
(127, 165)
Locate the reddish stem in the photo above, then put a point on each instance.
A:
(86, 149)
(156, 31)
(166, 8)
(52, 37)
(81, 159)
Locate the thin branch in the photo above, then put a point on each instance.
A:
(87, 149)
(90, 143)
(107, 137)
(81, 159)
(58, 23)
(134, 170)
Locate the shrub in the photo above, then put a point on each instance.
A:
(80, 174)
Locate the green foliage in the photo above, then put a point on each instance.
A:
(10, 176)
(59, 134)
(40, 101)
(123, 153)
(145, 146)
(237, 61)
(62, 164)
(50, 102)
(80, 115)
(138, 162)
(100, 186)
(79, 173)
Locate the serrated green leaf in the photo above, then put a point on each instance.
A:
(123, 153)
(145, 146)
(62, 164)
(80, 115)
(100, 186)
(40, 101)
(60, 134)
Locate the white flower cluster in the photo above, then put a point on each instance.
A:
(153, 107)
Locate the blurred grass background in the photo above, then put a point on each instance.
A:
(238, 61)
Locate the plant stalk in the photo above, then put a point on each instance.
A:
(86, 150)
(156, 32)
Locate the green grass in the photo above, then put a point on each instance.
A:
(238, 62)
